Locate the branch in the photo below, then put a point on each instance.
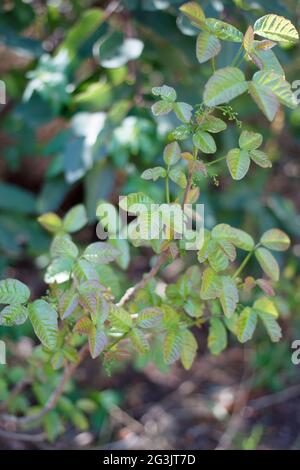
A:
(13, 422)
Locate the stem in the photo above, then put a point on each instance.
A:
(236, 58)
(213, 64)
(242, 266)
(215, 161)
(167, 187)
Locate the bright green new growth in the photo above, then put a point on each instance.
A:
(83, 307)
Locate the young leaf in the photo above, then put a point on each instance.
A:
(75, 219)
(172, 153)
(213, 124)
(207, 47)
(161, 107)
(149, 317)
(83, 326)
(271, 325)
(165, 92)
(250, 140)
(248, 40)
(260, 158)
(224, 85)
(68, 303)
(178, 177)
(205, 142)
(51, 222)
(265, 99)
(276, 28)
(268, 263)
(194, 13)
(139, 340)
(172, 346)
(217, 258)
(44, 321)
(268, 313)
(275, 239)
(229, 296)
(100, 252)
(236, 236)
(224, 31)
(183, 111)
(62, 245)
(246, 324)
(14, 314)
(120, 319)
(97, 341)
(189, 349)
(238, 162)
(133, 202)
(154, 173)
(13, 291)
(217, 338)
(211, 285)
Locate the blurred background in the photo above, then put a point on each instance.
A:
(76, 127)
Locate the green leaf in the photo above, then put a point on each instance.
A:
(217, 258)
(172, 345)
(229, 296)
(133, 202)
(268, 263)
(68, 303)
(275, 239)
(183, 111)
(120, 319)
(264, 304)
(178, 177)
(62, 245)
(181, 132)
(75, 219)
(97, 341)
(211, 285)
(271, 81)
(213, 124)
(238, 162)
(267, 59)
(154, 173)
(100, 252)
(13, 291)
(165, 92)
(217, 337)
(149, 317)
(207, 47)
(51, 222)
(44, 321)
(268, 313)
(271, 325)
(14, 314)
(260, 158)
(246, 324)
(224, 85)
(276, 28)
(205, 142)
(161, 108)
(194, 13)
(172, 153)
(250, 140)
(265, 99)
(224, 31)
(59, 270)
(189, 349)
(139, 340)
(238, 237)
(248, 40)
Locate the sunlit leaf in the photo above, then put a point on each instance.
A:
(238, 162)
(224, 85)
(268, 263)
(276, 28)
(207, 47)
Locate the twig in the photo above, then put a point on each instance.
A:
(22, 436)
(15, 391)
(275, 398)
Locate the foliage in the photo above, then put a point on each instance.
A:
(83, 307)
